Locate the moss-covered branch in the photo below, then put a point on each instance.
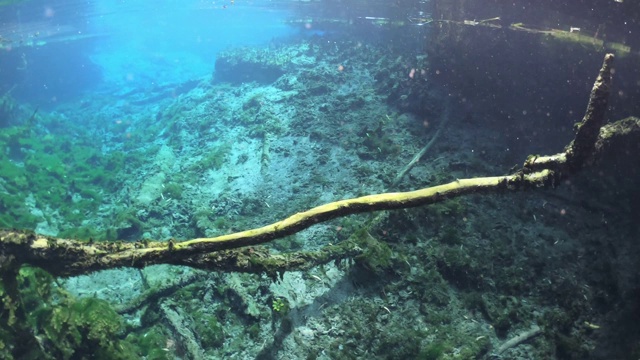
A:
(233, 252)
(63, 257)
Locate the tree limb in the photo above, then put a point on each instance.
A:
(232, 252)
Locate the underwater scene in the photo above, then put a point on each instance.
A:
(319, 179)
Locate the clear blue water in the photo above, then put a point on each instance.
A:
(124, 122)
(61, 50)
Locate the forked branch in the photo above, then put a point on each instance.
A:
(235, 252)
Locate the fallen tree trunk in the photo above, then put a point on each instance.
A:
(233, 252)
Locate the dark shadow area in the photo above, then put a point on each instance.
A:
(54, 73)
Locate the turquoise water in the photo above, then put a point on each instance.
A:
(63, 50)
(132, 126)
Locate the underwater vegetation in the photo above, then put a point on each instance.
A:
(62, 326)
(52, 170)
(275, 132)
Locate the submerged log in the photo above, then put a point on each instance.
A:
(235, 252)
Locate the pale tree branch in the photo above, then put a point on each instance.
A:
(236, 252)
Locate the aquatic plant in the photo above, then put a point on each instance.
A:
(151, 344)
(209, 330)
(280, 305)
(52, 171)
(173, 190)
(378, 143)
(377, 255)
(62, 327)
(433, 351)
(290, 243)
(213, 158)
